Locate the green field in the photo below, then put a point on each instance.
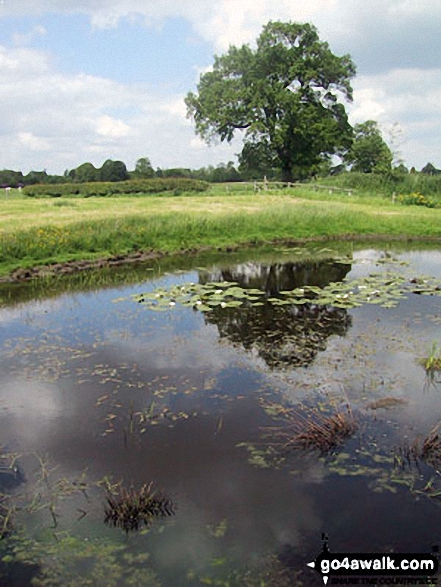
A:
(48, 230)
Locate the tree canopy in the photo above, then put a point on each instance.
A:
(86, 172)
(143, 169)
(284, 94)
(430, 169)
(113, 171)
(369, 153)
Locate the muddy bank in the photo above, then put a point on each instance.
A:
(23, 274)
(54, 269)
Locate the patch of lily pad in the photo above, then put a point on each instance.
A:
(384, 289)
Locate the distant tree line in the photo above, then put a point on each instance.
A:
(114, 171)
(366, 158)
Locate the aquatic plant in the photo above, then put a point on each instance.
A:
(314, 431)
(130, 508)
(427, 449)
(385, 289)
(6, 515)
(431, 447)
(71, 561)
(433, 361)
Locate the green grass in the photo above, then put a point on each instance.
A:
(432, 363)
(36, 232)
(387, 184)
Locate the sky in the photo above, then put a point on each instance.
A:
(89, 80)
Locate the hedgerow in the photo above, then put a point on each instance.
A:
(175, 186)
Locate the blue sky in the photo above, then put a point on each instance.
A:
(88, 80)
(161, 57)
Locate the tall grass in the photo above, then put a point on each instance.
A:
(207, 222)
(387, 184)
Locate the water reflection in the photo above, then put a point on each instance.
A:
(84, 381)
(282, 336)
(278, 277)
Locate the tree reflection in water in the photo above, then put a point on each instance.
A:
(283, 336)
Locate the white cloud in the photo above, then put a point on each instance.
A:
(198, 143)
(176, 107)
(33, 142)
(409, 97)
(20, 62)
(109, 127)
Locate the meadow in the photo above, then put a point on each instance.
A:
(36, 231)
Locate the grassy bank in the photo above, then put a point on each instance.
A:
(42, 231)
(387, 184)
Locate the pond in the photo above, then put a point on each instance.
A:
(262, 398)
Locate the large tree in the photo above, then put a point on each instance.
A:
(86, 172)
(143, 169)
(113, 171)
(369, 152)
(284, 94)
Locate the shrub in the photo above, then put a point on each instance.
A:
(176, 186)
(417, 199)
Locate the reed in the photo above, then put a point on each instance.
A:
(313, 431)
(431, 447)
(432, 363)
(131, 508)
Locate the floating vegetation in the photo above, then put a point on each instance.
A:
(377, 466)
(203, 297)
(271, 572)
(218, 530)
(130, 508)
(324, 433)
(66, 560)
(386, 403)
(384, 289)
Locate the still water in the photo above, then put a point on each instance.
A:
(98, 389)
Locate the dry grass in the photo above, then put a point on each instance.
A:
(427, 450)
(431, 447)
(386, 403)
(313, 431)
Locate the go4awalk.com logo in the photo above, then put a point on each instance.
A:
(375, 569)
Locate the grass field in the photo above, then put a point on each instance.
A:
(47, 230)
